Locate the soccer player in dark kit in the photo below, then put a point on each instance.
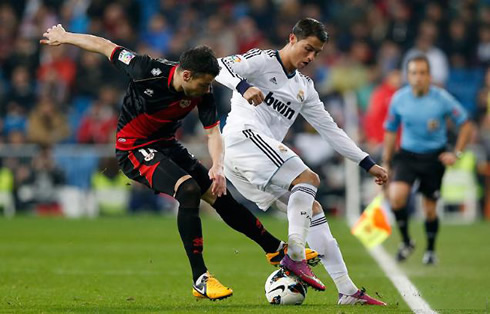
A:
(160, 94)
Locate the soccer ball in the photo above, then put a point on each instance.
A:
(284, 288)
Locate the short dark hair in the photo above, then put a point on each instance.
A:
(199, 60)
(419, 57)
(307, 27)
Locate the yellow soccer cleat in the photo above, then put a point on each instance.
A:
(210, 288)
(312, 257)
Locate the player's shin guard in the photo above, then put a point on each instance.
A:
(299, 218)
(241, 219)
(321, 240)
(431, 229)
(189, 224)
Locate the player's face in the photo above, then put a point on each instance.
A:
(419, 76)
(195, 86)
(305, 50)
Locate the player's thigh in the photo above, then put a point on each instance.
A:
(431, 174)
(262, 160)
(250, 191)
(404, 168)
(404, 175)
(399, 193)
(152, 168)
(185, 160)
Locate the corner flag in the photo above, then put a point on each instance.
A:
(372, 228)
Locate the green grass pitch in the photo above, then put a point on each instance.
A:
(138, 265)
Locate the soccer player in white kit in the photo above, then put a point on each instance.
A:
(267, 172)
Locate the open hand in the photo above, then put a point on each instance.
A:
(218, 187)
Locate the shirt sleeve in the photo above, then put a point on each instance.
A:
(314, 112)
(208, 113)
(392, 122)
(236, 69)
(134, 65)
(455, 110)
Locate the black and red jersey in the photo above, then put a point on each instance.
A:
(152, 110)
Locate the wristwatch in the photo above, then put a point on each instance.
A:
(458, 154)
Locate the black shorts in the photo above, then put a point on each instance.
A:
(408, 167)
(160, 166)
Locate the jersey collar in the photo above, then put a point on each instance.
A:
(171, 75)
(289, 75)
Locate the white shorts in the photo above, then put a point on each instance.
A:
(261, 168)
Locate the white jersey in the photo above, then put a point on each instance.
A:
(286, 96)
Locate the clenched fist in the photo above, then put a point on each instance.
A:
(254, 96)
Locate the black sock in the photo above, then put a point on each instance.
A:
(241, 219)
(401, 216)
(189, 224)
(431, 228)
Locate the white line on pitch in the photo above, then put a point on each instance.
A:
(405, 287)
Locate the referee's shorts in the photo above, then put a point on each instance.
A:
(426, 168)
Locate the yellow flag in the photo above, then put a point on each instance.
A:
(372, 228)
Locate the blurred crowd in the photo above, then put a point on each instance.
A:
(62, 95)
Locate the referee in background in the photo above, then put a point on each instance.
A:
(422, 110)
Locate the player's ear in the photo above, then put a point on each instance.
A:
(186, 75)
(292, 39)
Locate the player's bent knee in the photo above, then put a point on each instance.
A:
(308, 177)
(397, 203)
(188, 193)
(431, 215)
(317, 208)
(180, 181)
(314, 178)
(430, 208)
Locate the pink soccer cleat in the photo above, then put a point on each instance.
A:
(360, 297)
(303, 271)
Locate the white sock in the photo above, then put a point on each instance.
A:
(321, 240)
(299, 218)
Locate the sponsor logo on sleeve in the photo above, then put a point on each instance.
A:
(126, 56)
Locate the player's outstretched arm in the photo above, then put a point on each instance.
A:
(56, 35)
(215, 147)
